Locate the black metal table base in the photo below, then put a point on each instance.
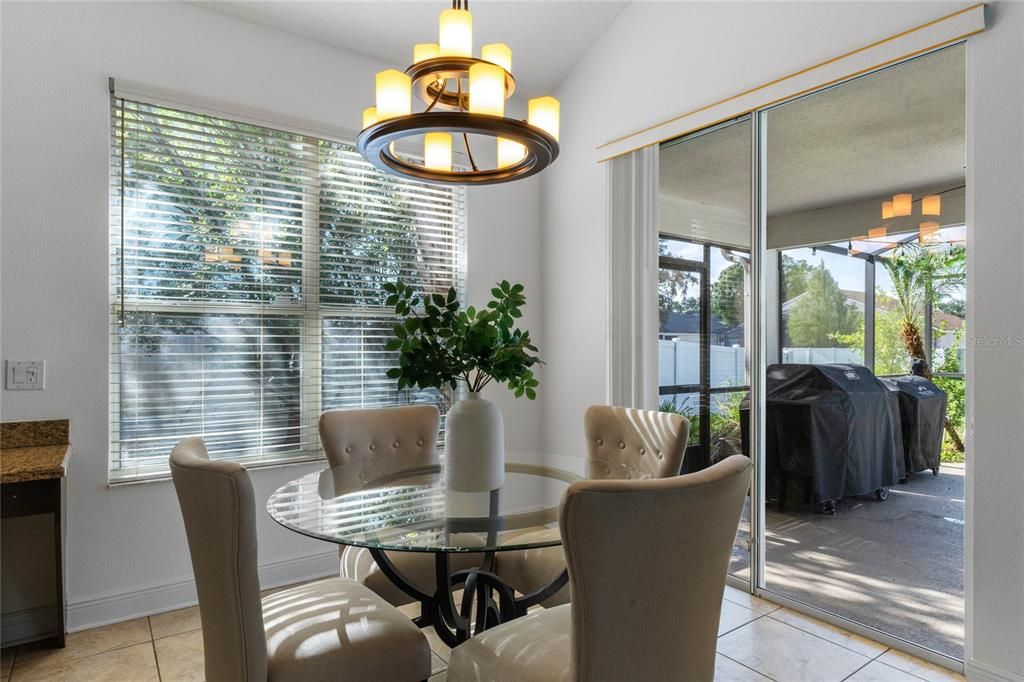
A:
(487, 600)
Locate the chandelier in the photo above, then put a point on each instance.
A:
(902, 206)
(462, 96)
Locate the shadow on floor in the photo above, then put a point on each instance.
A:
(897, 565)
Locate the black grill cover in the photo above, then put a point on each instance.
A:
(833, 423)
(922, 419)
(894, 407)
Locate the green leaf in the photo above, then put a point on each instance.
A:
(393, 344)
(531, 394)
(394, 373)
(497, 293)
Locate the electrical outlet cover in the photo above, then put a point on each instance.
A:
(26, 375)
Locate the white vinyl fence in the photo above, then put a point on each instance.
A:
(679, 361)
(679, 364)
(817, 356)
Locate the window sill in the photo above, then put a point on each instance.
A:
(116, 479)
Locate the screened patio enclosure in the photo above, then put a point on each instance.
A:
(873, 303)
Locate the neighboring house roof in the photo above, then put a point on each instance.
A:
(856, 299)
(689, 323)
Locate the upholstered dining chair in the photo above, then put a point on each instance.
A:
(333, 629)
(622, 443)
(386, 441)
(647, 560)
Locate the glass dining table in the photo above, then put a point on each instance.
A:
(414, 510)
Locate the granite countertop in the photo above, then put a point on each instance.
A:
(33, 451)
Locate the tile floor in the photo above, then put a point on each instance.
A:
(758, 641)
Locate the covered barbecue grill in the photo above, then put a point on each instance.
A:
(834, 426)
(922, 418)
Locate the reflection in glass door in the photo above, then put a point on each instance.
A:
(863, 389)
(704, 208)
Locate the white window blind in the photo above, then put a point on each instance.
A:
(246, 273)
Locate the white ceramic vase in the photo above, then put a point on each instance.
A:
(474, 445)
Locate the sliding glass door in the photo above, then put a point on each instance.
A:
(812, 306)
(704, 295)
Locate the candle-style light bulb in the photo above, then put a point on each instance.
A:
(543, 114)
(509, 152)
(497, 53)
(425, 51)
(437, 151)
(455, 33)
(394, 94)
(370, 117)
(486, 89)
(902, 205)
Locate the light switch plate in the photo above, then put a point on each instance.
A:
(26, 375)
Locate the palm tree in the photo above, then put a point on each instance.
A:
(921, 277)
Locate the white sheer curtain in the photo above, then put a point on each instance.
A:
(633, 279)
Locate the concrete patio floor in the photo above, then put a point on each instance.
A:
(897, 565)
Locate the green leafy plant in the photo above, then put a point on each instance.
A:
(440, 344)
(955, 394)
(922, 276)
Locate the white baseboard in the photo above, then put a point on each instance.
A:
(28, 624)
(115, 607)
(976, 671)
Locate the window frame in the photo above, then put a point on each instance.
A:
(308, 310)
(699, 450)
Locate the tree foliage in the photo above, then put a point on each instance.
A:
(795, 275)
(821, 316)
(440, 344)
(677, 293)
(921, 277)
(727, 295)
(955, 389)
(890, 355)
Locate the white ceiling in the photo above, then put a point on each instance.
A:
(897, 130)
(547, 37)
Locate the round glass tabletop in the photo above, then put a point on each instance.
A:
(414, 510)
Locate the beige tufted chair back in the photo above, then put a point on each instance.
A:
(217, 504)
(387, 440)
(626, 443)
(679, 526)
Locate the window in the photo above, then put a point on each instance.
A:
(246, 266)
